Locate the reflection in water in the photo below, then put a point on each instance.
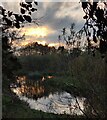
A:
(29, 88)
(48, 77)
(58, 103)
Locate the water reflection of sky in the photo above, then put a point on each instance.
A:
(57, 103)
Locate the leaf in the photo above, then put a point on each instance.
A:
(27, 18)
(29, 13)
(63, 31)
(16, 16)
(3, 11)
(94, 5)
(25, 5)
(10, 13)
(91, 13)
(29, 5)
(99, 14)
(9, 22)
(22, 11)
(22, 4)
(19, 18)
(36, 3)
(85, 17)
(33, 9)
(17, 25)
(84, 5)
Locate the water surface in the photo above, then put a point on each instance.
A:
(33, 93)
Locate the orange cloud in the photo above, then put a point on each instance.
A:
(37, 32)
(53, 44)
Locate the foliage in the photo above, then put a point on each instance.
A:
(69, 37)
(95, 26)
(48, 63)
(10, 63)
(11, 20)
(90, 72)
(35, 48)
(80, 74)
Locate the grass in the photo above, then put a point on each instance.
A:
(66, 83)
(19, 109)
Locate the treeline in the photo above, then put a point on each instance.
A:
(35, 48)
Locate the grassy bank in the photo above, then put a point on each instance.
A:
(14, 108)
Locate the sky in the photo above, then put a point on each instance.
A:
(52, 18)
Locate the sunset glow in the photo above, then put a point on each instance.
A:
(35, 34)
(27, 42)
(42, 31)
(53, 44)
(42, 42)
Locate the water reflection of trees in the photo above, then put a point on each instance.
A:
(32, 88)
(35, 89)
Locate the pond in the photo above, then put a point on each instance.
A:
(38, 97)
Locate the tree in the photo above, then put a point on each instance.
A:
(10, 63)
(95, 26)
(72, 40)
(95, 30)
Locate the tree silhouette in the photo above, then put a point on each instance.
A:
(36, 48)
(95, 32)
(95, 26)
(72, 39)
(10, 63)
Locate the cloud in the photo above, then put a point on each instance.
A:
(59, 15)
(55, 15)
(72, 10)
(40, 31)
